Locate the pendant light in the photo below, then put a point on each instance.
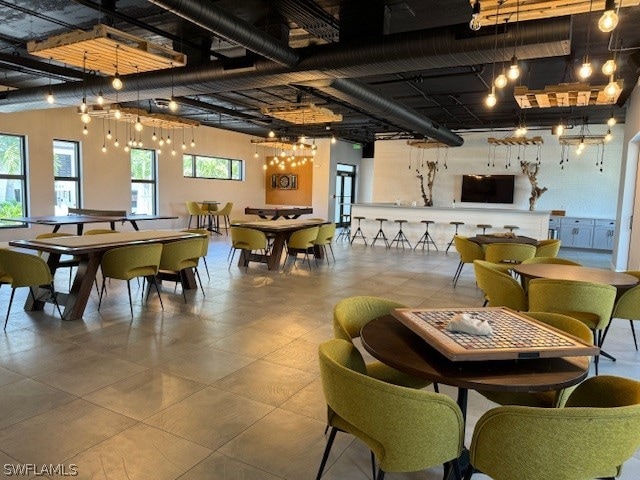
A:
(609, 19)
(50, 98)
(491, 99)
(501, 80)
(475, 24)
(173, 105)
(514, 69)
(586, 70)
(116, 83)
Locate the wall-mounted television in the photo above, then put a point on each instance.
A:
(487, 188)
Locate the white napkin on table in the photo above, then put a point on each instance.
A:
(465, 323)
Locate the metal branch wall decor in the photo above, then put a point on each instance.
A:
(431, 175)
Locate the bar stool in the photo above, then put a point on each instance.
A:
(457, 224)
(380, 234)
(400, 237)
(484, 227)
(511, 228)
(345, 231)
(358, 233)
(426, 238)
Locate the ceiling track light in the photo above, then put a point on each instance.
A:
(609, 19)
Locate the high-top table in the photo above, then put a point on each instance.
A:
(89, 249)
(554, 271)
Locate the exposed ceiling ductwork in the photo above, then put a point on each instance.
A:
(411, 51)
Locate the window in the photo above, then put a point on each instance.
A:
(144, 181)
(200, 166)
(13, 181)
(66, 171)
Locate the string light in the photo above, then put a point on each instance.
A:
(586, 70)
(116, 83)
(609, 19)
(609, 67)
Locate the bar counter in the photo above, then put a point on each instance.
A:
(532, 224)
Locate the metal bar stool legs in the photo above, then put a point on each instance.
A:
(426, 238)
(484, 227)
(380, 235)
(457, 224)
(400, 237)
(345, 231)
(358, 233)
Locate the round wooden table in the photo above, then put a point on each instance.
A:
(576, 272)
(392, 343)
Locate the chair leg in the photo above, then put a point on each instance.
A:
(633, 331)
(102, 290)
(453, 466)
(468, 473)
(54, 296)
(332, 255)
(373, 465)
(380, 474)
(327, 450)
(153, 280)
(130, 302)
(456, 275)
(6, 320)
(206, 267)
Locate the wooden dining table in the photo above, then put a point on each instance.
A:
(621, 281)
(281, 230)
(89, 249)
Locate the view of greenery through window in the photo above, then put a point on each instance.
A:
(200, 166)
(12, 178)
(66, 170)
(143, 181)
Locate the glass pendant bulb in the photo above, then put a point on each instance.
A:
(611, 122)
(85, 130)
(255, 155)
(138, 127)
(184, 146)
(161, 141)
(173, 105)
(514, 70)
(609, 67)
(272, 134)
(501, 81)
(109, 136)
(116, 83)
(104, 149)
(83, 105)
(193, 144)
(608, 136)
(154, 137)
(85, 118)
(116, 143)
(168, 140)
(173, 152)
(333, 139)
(491, 99)
(585, 70)
(609, 19)
(126, 148)
(100, 98)
(612, 89)
(117, 114)
(474, 23)
(560, 129)
(50, 98)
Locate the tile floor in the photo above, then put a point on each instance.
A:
(224, 387)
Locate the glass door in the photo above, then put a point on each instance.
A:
(345, 193)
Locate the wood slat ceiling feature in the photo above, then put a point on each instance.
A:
(281, 144)
(516, 141)
(426, 144)
(99, 44)
(302, 114)
(536, 9)
(578, 139)
(156, 120)
(564, 95)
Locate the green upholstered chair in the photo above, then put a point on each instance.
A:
(548, 248)
(247, 239)
(125, 263)
(551, 260)
(406, 429)
(205, 245)
(351, 314)
(195, 210)
(179, 256)
(21, 269)
(591, 303)
(506, 255)
(597, 431)
(469, 251)
(628, 307)
(324, 239)
(301, 241)
(224, 212)
(66, 261)
(500, 289)
(551, 398)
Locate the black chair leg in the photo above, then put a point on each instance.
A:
(327, 450)
(102, 290)
(456, 275)
(633, 331)
(199, 281)
(130, 302)
(380, 474)
(452, 466)
(6, 320)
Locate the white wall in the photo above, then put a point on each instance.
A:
(580, 188)
(107, 176)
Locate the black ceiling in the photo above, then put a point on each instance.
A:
(404, 53)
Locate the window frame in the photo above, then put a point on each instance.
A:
(22, 177)
(153, 181)
(78, 164)
(193, 159)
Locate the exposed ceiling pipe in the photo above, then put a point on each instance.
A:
(230, 27)
(411, 51)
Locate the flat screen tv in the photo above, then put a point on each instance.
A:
(487, 188)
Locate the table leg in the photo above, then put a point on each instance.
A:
(273, 259)
(134, 224)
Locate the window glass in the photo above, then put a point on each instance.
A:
(143, 181)
(13, 182)
(66, 170)
(202, 166)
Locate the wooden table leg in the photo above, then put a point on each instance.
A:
(273, 259)
(76, 301)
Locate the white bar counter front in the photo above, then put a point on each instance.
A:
(532, 224)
